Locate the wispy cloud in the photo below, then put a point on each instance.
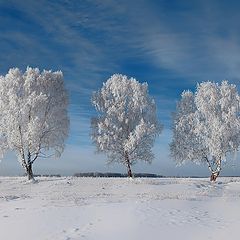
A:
(170, 44)
(95, 35)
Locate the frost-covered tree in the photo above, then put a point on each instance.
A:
(33, 115)
(206, 125)
(127, 124)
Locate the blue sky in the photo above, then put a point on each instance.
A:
(172, 45)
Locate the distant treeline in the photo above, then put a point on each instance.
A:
(46, 175)
(119, 175)
(136, 175)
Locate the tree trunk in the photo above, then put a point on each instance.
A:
(129, 171)
(29, 172)
(128, 165)
(214, 176)
(29, 167)
(214, 173)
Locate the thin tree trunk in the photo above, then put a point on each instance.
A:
(129, 171)
(214, 176)
(29, 172)
(216, 173)
(27, 165)
(128, 165)
(29, 168)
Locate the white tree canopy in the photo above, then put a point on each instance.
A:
(127, 124)
(206, 125)
(33, 114)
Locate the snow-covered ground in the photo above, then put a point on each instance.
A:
(112, 208)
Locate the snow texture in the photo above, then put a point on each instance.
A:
(111, 208)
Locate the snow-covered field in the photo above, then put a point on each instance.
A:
(112, 208)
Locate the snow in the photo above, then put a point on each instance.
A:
(118, 208)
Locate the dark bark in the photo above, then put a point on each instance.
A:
(214, 176)
(129, 171)
(128, 165)
(29, 171)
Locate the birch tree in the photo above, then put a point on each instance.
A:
(206, 126)
(33, 115)
(127, 124)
